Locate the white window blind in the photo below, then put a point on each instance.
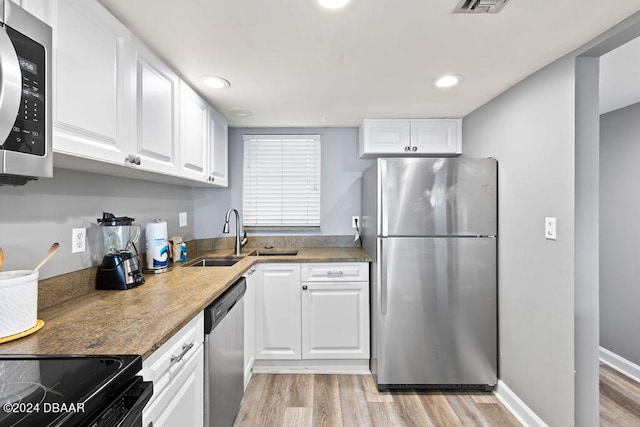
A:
(281, 185)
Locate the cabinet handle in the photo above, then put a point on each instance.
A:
(185, 349)
(414, 149)
(334, 273)
(134, 160)
(407, 148)
(305, 287)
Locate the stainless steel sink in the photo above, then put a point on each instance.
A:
(214, 262)
(270, 252)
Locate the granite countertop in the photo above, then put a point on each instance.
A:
(140, 320)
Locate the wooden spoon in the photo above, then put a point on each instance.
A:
(52, 250)
(1, 259)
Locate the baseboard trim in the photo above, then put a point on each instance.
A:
(517, 407)
(620, 364)
(358, 367)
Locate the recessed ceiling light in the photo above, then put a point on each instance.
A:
(333, 4)
(448, 80)
(215, 82)
(240, 112)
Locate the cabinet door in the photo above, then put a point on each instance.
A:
(436, 136)
(249, 324)
(194, 134)
(156, 89)
(385, 137)
(41, 9)
(218, 149)
(335, 320)
(91, 108)
(278, 311)
(182, 401)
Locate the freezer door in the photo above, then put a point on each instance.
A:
(435, 312)
(438, 197)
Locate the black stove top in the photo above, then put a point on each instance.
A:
(60, 390)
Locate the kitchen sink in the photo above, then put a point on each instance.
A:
(270, 252)
(214, 262)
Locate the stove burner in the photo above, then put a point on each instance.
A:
(62, 390)
(20, 395)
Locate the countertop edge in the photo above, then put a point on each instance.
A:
(93, 323)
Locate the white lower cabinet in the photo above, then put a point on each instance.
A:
(325, 318)
(278, 311)
(177, 372)
(335, 320)
(249, 324)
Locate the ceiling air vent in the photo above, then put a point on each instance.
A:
(480, 6)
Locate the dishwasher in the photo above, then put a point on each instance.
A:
(224, 357)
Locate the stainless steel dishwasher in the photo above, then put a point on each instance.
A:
(224, 357)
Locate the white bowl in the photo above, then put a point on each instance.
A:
(18, 301)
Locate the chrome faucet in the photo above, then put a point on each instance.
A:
(239, 243)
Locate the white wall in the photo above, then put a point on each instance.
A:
(34, 216)
(340, 185)
(530, 130)
(619, 232)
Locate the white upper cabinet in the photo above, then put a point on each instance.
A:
(410, 137)
(41, 9)
(436, 136)
(91, 112)
(118, 109)
(385, 136)
(194, 134)
(218, 146)
(156, 89)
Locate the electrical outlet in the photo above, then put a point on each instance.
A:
(550, 228)
(183, 219)
(78, 240)
(355, 222)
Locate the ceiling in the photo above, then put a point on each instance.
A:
(293, 64)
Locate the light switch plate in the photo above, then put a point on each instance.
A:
(183, 219)
(550, 228)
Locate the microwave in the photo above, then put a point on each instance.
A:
(25, 96)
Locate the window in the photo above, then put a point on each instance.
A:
(281, 185)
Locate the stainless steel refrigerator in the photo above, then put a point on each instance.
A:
(430, 225)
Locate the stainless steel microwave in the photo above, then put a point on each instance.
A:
(25, 96)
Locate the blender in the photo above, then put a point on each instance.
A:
(120, 268)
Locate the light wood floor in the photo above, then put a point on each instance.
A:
(619, 399)
(352, 400)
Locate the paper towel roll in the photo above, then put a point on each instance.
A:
(157, 244)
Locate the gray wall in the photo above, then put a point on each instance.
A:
(34, 216)
(619, 231)
(340, 192)
(530, 130)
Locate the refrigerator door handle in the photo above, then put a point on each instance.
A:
(382, 283)
(383, 214)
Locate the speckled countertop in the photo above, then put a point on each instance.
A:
(140, 320)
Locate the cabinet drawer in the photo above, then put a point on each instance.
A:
(335, 272)
(167, 361)
(181, 402)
